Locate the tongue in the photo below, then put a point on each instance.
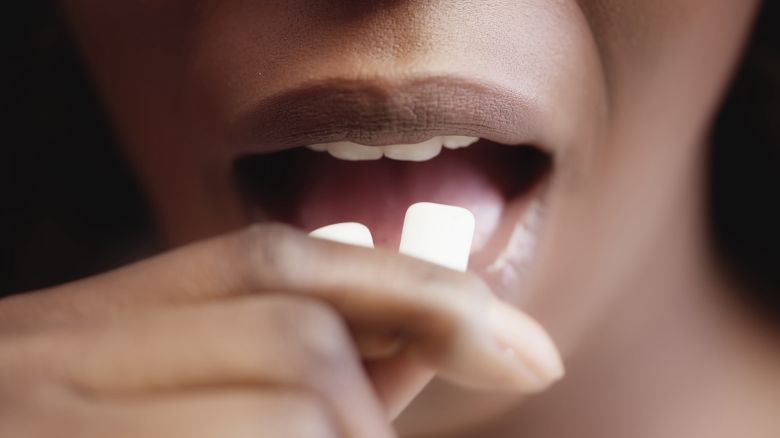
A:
(378, 193)
(311, 189)
(436, 233)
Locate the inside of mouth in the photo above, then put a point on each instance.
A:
(311, 189)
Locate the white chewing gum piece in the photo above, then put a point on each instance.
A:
(438, 233)
(350, 233)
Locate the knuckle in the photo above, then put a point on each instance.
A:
(322, 334)
(314, 328)
(318, 337)
(307, 336)
(261, 249)
(267, 232)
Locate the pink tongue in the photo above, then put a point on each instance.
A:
(377, 193)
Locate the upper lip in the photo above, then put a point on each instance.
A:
(383, 112)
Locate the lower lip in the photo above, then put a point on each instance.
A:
(310, 189)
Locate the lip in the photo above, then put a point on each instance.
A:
(378, 112)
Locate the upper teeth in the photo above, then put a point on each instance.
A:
(346, 150)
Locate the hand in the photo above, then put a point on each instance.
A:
(263, 332)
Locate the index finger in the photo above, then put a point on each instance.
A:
(450, 320)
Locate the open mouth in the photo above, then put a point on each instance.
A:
(365, 153)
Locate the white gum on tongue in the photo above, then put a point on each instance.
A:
(438, 233)
(351, 233)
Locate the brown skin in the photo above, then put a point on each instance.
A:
(633, 85)
(250, 333)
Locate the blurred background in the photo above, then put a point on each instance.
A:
(72, 206)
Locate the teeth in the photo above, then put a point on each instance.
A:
(414, 152)
(346, 150)
(458, 141)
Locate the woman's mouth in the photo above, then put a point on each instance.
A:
(357, 151)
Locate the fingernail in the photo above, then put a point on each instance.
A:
(526, 346)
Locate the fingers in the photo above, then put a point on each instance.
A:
(377, 345)
(226, 413)
(449, 320)
(264, 342)
(386, 375)
(212, 413)
(530, 361)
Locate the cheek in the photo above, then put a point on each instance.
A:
(139, 55)
(634, 202)
(666, 65)
(134, 50)
(639, 39)
(132, 42)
